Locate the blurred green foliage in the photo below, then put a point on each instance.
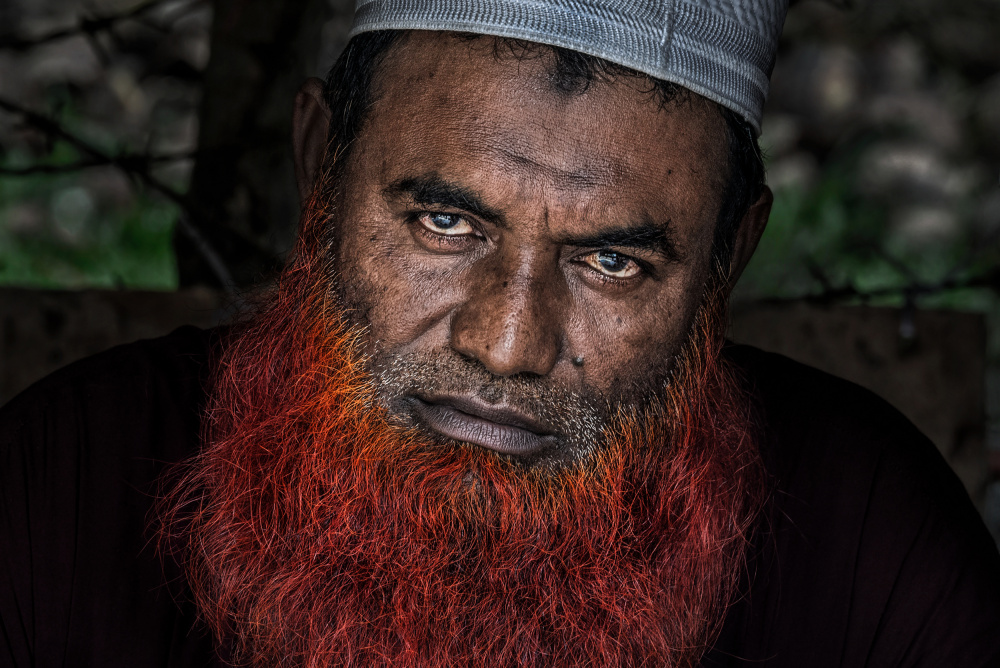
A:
(128, 248)
(825, 238)
(57, 231)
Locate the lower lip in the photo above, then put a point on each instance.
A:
(460, 426)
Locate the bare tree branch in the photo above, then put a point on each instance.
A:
(91, 26)
(50, 169)
(989, 280)
(134, 162)
(137, 167)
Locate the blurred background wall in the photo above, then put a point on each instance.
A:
(145, 178)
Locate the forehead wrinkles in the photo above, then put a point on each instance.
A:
(512, 159)
(464, 113)
(450, 92)
(565, 148)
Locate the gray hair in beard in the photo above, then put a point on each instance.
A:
(578, 421)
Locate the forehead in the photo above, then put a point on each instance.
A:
(465, 109)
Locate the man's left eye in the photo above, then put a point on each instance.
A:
(446, 224)
(610, 263)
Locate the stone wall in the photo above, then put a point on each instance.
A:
(41, 331)
(928, 364)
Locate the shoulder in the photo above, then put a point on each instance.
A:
(841, 454)
(176, 357)
(81, 455)
(119, 385)
(817, 426)
(877, 555)
(120, 416)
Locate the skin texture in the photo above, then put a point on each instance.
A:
(474, 237)
(315, 532)
(560, 237)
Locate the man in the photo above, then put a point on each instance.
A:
(486, 416)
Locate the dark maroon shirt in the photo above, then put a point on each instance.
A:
(871, 554)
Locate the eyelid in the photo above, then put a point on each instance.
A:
(647, 269)
(418, 216)
(643, 268)
(637, 255)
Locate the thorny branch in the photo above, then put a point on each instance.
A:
(90, 26)
(134, 162)
(137, 167)
(831, 295)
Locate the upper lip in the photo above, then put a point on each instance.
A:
(500, 414)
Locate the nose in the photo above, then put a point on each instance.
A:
(511, 320)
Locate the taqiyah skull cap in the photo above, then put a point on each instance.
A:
(721, 49)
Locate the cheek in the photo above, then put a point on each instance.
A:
(401, 299)
(630, 343)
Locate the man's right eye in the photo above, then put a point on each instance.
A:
(446, 224)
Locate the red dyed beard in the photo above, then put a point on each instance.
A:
(316, 532)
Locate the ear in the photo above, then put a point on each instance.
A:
(751, 228)
(310, 126)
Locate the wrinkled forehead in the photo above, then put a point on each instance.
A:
(441, 97)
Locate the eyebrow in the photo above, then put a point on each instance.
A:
(647, 235)
(432, 190)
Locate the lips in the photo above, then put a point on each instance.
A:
(471, 420)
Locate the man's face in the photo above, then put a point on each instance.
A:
(515, 248)
(530, 264)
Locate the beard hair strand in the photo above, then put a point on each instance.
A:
(316, 532)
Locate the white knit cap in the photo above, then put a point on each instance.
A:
(721, 49)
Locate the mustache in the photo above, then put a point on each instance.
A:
(314, 532)
(569, 414)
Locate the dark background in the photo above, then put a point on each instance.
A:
(146, 181)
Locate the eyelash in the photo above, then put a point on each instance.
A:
(645, 269)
